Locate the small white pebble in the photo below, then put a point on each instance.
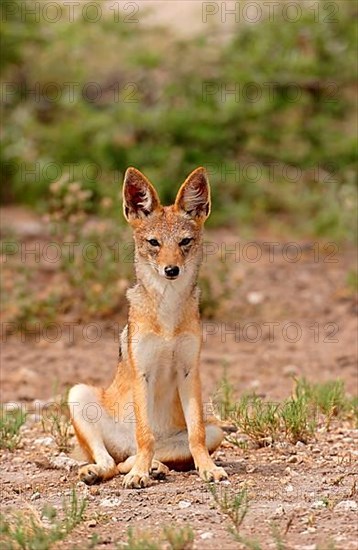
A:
(107, 502)
(255, 298)
(62, 461)
(279, 511)
(318, 504)
(184, 504)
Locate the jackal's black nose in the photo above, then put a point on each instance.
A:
(171, 271)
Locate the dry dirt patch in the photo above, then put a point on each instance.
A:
(305, 494)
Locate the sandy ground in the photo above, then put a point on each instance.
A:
(283, 319)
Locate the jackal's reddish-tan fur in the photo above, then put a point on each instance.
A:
(151, 416)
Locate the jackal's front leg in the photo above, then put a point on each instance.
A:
(139, 475)
(140, 362)
(191, 399)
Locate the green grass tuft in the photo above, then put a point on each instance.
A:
(10, 424)
(295, 418)
(32, 531)
(171, 538)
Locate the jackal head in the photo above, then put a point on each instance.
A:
(168, 239)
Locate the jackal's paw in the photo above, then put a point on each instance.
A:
(215, 474)
(136, 480)
(89, 474)
(159, 470)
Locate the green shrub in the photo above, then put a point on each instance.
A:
(153, 112)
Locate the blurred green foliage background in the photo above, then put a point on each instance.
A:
(89, 99)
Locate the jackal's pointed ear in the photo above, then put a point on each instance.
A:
(140, 199)
(193, 198)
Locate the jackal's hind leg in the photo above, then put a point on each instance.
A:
(159, 470)
(84, 402)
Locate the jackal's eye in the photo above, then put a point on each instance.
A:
(185, 241)
(153, 242)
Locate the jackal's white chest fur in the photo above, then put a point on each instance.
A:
(163, 356)
(162, 361)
